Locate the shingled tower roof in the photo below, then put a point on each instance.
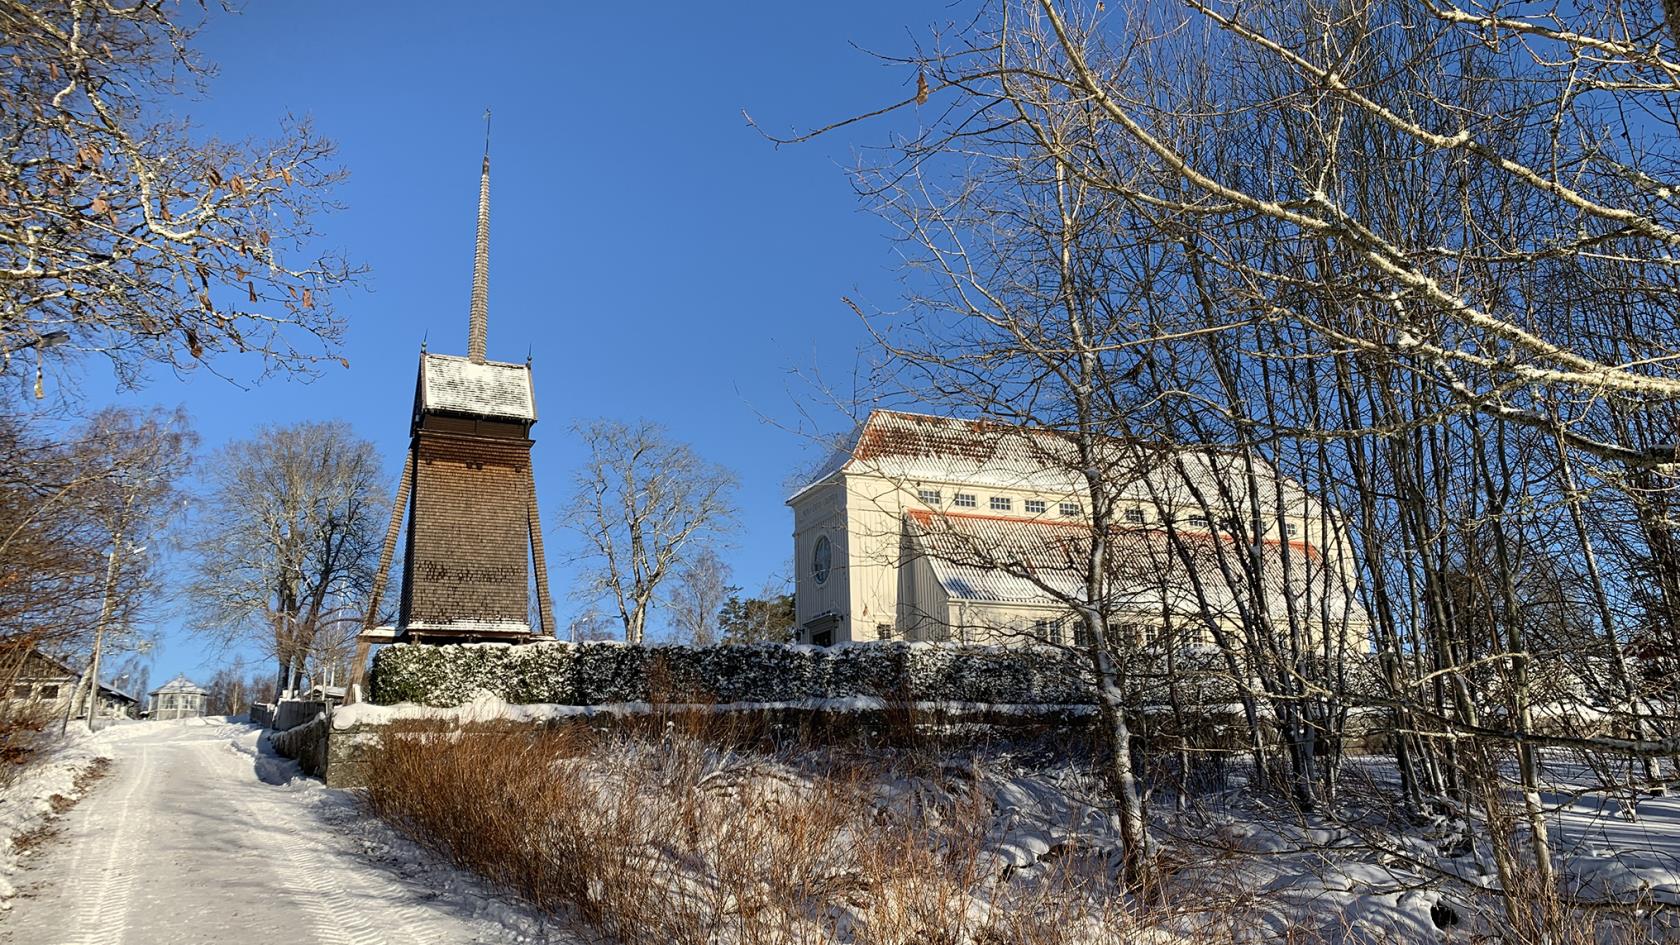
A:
(478, 322)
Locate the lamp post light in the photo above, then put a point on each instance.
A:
(51, 339)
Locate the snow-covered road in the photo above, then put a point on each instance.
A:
(198, 837)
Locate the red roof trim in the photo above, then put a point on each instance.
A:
(927, 516)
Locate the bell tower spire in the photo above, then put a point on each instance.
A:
(478, 324)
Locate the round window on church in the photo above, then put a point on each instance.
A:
(822, 559)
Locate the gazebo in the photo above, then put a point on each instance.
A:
(179, 698)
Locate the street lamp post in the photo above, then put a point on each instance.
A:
(99, 634)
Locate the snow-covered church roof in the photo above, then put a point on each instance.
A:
(999, 559)
(913, 447)
(491, 389)
(179, 684)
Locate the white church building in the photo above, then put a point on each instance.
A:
(935, 528)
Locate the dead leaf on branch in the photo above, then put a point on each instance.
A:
(921, 88)
(251, 288)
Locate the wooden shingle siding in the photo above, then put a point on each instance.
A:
(470, 531)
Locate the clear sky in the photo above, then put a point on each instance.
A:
(657, 257)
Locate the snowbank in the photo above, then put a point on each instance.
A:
(28, 805)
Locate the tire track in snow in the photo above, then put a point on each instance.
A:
(101, 894)
(322, 880)
(234, 857)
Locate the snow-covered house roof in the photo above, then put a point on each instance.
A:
(1008, 560)
(179, 684)
(41, 665)
(491, 389)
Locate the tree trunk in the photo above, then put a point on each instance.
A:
(1137, 862)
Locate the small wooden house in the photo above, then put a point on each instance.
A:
(48, 684)
(179, 698)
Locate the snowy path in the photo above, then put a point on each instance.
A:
(186, 842)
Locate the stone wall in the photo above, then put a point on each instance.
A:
(339, 753)
(308, 744)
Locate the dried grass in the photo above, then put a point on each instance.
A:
(21, 726)
(680, 830)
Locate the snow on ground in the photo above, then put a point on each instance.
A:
(1611, 849)
(1372, 874)
(199, 830)
(29, 805)
(1246, 862)
(201, 834)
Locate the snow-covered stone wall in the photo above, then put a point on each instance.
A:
(603, 673)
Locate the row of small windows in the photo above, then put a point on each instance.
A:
(1141, 633)
(997, 503)
(1134, 515)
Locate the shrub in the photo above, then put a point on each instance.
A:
(672, 841)
(599, 673)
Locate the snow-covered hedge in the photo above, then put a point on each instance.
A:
(605, 673)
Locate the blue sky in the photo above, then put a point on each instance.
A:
(656, 255)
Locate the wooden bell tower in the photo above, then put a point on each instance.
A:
(468, 495)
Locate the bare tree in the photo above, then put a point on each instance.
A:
(228, 691)
(701, 588)
(145, 456)
(72, 508)
(1414, 257)
(644, 505)
(292, 532)
(52, 564)
(124, 234)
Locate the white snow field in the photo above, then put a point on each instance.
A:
(198, 835)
